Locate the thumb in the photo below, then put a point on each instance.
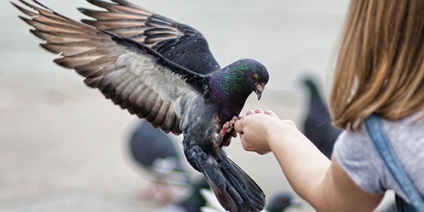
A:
(238, 125)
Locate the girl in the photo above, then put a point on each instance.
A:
(379, 70)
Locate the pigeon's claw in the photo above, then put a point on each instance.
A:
(228, 131)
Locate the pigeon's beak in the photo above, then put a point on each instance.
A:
(259, 89)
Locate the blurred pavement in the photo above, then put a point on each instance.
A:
(62, 145)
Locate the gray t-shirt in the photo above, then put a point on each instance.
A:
(356, 155)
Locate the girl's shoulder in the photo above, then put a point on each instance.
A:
(357, 156)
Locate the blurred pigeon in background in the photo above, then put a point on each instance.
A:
(156, 153)
(280, 201)
(194, 202)
(317, 125)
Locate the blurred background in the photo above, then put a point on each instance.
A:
(64, 147)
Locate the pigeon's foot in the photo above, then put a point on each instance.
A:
(227, 131)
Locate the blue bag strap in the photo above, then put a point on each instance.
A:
(374, 128)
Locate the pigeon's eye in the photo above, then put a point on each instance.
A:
(255, 76)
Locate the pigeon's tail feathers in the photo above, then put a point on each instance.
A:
(234, 189)
(253, 198)
(224, 197)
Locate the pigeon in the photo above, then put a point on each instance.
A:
(193, 202)
(156, 153)
(317, 125)
(151, 66)
(280, 201)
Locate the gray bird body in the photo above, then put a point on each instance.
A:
(164, 72)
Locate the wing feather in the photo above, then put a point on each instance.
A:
(133, 77)
(177, 42)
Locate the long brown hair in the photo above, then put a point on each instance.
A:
(380, 64)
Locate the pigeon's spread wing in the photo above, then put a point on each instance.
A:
(132, 77)
(177, 42)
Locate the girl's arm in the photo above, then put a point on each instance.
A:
(316, 179)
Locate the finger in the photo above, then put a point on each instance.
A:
(250, 112)
(259, 110)
(271, 113)
(238, 126)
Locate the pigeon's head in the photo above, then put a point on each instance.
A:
(256, 76)
(238, 80)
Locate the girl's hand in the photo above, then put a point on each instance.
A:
(256, 129)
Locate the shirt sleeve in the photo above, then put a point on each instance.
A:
(358, 158)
